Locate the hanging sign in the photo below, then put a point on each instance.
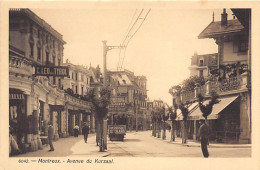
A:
(58, 71)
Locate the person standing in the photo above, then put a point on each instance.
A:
(85, 132)
(203, 134)
(76, 131)
(50, 136)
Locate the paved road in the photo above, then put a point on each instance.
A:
(142, 144)
(136, 144)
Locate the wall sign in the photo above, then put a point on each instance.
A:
(58, 71)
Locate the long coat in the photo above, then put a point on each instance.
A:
(50, 132)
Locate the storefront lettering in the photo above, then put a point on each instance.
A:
(51, 71)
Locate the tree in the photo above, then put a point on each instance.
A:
(165, 118)
(99, 105)
(184, 112)
(159, 122)
(175, 90)
(173, 116)
(153, 123)
(207, 109)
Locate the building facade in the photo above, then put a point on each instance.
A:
(34, 100)
(230, 120)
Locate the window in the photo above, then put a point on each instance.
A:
(72, 87)
(53, 59)
(31, 46)
(39, 34)
(47, 58)
(82, 77)
(53, 44)
(201, 63)
(54, 80)
(201, 73)
(76, 76)
(241, 46)
(82, 90)
(59, 60)
(59, 82)
(76, 89)
(72, 75)
(39, 53)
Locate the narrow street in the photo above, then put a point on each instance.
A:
(136, 144)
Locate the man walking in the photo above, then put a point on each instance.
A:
(203, 133)
(85, 132)
(50, 136)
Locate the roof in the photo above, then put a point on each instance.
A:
(215, 29)
(42, 23)
(121, 78)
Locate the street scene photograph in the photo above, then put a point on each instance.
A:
(126, 81)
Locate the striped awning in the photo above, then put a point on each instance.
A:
(217, 108)
(191, 108)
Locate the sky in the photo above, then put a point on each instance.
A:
(161, 50)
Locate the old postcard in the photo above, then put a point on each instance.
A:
(129, 85)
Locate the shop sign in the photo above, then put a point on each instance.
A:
(15, 96)
(117, 100)
(58, 71)
(113, 108)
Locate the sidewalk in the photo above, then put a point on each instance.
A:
(68, 147)
(88, 149)
(194, 143)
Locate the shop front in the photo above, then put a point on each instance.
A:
(223, 122)
(18, 121)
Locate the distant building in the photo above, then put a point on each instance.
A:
(81, 79)
(201, 65)
(132, 89)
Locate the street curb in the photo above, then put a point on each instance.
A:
(209, 146)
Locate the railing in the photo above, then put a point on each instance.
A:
(76, 101)
(20, 65)
(224, 86)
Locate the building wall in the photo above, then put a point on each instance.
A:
(231, 57)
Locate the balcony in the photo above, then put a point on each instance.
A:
(18, 64)
(227, 86)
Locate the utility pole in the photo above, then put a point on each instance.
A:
(105, 50)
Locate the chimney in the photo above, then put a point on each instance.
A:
(224, 18)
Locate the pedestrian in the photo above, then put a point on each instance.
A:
(203, 134)
(13, 146)
(85, 132)
(50, 136)
(76, 131)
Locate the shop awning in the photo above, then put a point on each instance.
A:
(217, 108)
(191, 108)
(79, 111)
(57, 107)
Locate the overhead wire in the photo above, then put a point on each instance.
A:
(123, 39)
(133, 35)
